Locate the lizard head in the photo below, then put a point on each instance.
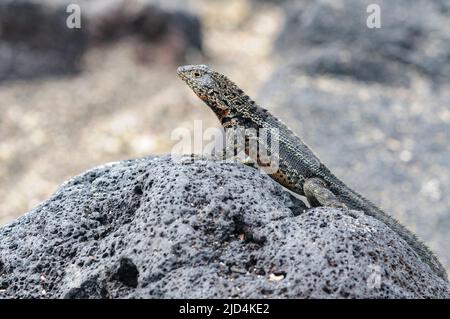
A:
(215, 89)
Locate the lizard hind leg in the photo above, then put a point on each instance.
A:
(319, 195)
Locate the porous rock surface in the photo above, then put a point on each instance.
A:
(159, 228)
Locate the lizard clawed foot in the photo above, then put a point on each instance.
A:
(224, 155)
(337, 205)
(319, 195)
(250, 163)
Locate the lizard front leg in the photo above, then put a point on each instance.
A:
(319, 195)
(229, 152)
(236, 146)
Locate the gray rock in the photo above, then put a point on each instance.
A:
(337, 61)
(332, 37)
(163, 229)
(35, 40)
(150, 21)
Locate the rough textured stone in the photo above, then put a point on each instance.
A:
(157, 228)
(332, 37)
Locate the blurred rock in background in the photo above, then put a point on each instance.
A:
(162, 35)
(331, 37)
(372, 103)
(35, 40)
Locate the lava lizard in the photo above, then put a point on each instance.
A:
(299, 169)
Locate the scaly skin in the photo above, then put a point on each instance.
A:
(299, 169)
